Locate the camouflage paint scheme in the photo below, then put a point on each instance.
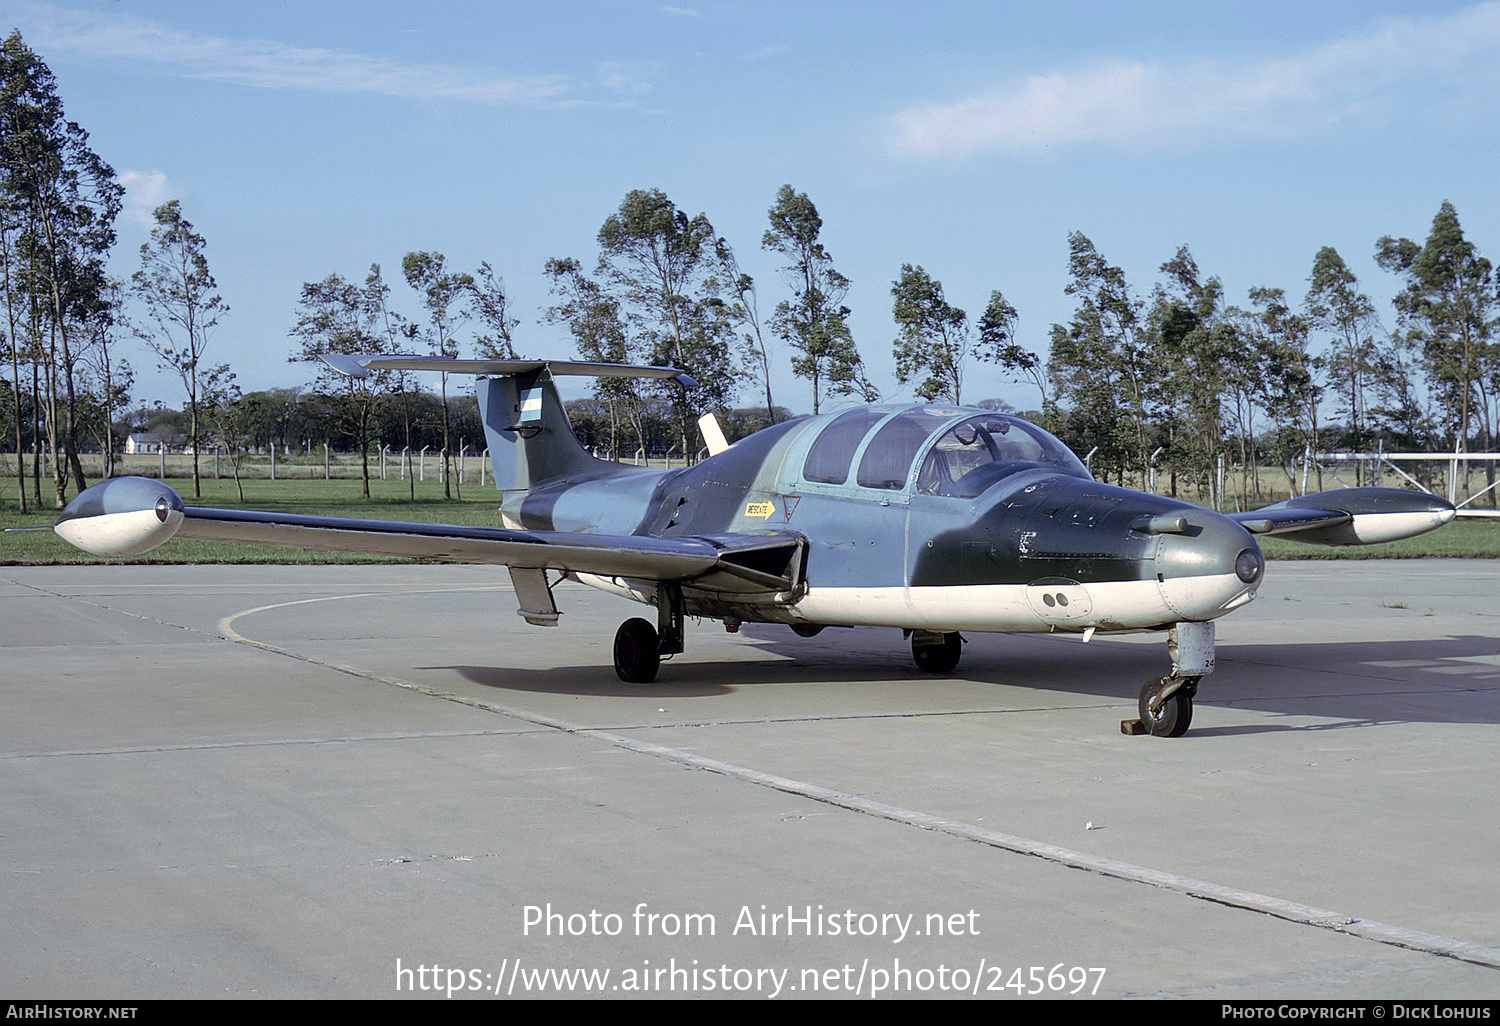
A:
(927, 518)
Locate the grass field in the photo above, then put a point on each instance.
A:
(1466, 539)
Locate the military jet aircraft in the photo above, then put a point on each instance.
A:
(932, 519)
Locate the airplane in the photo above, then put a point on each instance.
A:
(936, 520)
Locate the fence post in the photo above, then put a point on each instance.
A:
(161, 451)
(463, 459)
(325, 462)
(273, 461)
(422, 464)
(383, 450)
(484, 458)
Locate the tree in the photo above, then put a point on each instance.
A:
(755, 352)
(440, 290)
(933, 339)
(814, 322)
(334, 318)
(1335, 305)
(1198, 344)
(1100, 363)
(112, 376)
(1287, 385)
(59, 201)
(997, 344)
(183, 300)
(229, 416)
(660, 266)
(489, 303)
(396, 333)
(593, 317)
(1448, 310)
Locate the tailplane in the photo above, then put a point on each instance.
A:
(530, 437)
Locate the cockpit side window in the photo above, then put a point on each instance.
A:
(887, 459)
(832, 453)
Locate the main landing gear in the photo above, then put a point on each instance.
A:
(936, 652)
(640, 646)
(1166, 704)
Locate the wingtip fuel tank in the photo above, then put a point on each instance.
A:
(124, 516)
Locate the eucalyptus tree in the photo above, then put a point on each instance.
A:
(814, 321)
(755, 351)
(1100, 363)
(60, 201)
(490, 305)
(442, 291)
(14, 303)
(593, 318)
(182, 299)
(112, 376)
(395, 333)
(1448, 310)
(997, 344)
(1286, 384)
(1336, 306)
(661, 269)
(230, 417)
(1200, 348)
(933, 339)
(333, 318)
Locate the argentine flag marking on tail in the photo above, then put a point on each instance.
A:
(531, 405)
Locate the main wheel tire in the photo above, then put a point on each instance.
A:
(637, 652)
(1173, 716)
(807, 630)
(940, 658)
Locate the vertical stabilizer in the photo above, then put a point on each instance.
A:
(530, 438)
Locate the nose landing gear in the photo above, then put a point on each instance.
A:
(1166, 707)
(1166, 703)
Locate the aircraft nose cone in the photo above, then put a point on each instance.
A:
(1210, 567)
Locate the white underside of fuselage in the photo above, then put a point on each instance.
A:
(1018, 608)
(1120, 605)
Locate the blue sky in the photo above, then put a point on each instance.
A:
(969, 137)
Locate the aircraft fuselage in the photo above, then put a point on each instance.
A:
(1044, 547)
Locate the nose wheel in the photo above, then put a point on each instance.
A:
(1166, 707)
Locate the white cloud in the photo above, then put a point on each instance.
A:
(1133, 103)
(627, 78)
(144, 192)
(765, 53)
(272, 65)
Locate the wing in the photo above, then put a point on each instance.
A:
(1350, 516)
(129, 516)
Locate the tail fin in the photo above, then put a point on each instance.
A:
(530, 438)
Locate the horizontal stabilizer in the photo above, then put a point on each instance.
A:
(361, 366)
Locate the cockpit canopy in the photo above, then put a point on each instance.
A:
(967, 452)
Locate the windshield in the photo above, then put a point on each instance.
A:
(977, 452)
